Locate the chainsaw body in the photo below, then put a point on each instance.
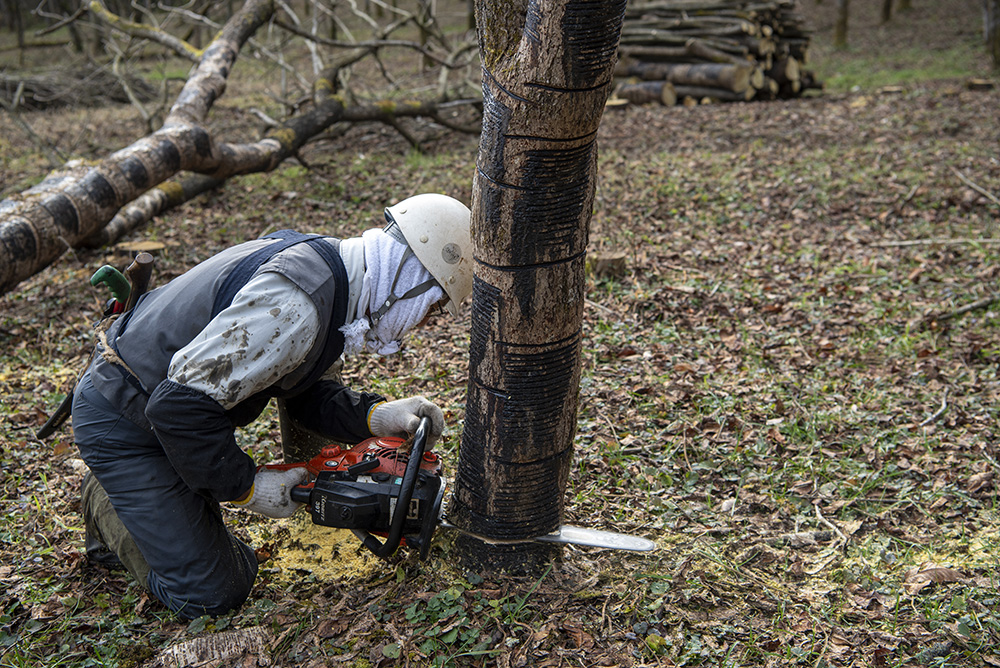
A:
(381, 486)
(390, 488)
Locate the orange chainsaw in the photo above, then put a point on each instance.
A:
(363, 488)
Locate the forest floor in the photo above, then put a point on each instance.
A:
(793, 389)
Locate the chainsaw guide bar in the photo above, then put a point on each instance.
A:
(574, 535)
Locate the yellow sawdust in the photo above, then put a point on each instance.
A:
(329, 554)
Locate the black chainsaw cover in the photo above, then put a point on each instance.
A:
(337, 499)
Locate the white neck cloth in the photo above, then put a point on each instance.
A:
(382, 257)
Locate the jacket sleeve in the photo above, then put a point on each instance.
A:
(198, 439)
(334, 411)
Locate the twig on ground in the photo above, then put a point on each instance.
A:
(831, 525)
(940, 411)
(599, 307)
(934, 242)
(979, 189)
(834, 547)
(822, 651)
(982, 303)
(264, 118)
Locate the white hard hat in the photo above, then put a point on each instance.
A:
(436, 228)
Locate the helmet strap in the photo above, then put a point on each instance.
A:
(415, 291)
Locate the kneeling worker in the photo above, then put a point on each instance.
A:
(154, 415)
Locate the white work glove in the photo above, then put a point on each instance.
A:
(271, 492)
(401, 418)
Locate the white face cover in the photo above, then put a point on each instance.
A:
(396, 294)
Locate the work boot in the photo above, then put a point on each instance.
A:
(98, 553)
(108, 542)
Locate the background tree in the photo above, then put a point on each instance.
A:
(840, 25)
(547, 72)
(991, 30)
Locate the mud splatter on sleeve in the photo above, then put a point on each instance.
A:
(264, 334)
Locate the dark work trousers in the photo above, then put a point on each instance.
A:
(196, 567)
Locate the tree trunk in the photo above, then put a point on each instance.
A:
(991, 30)
(840, 26)
(886, 11)
(547, 72)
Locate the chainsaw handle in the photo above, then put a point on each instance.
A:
(395, 534)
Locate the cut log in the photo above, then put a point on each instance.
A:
(645, 92)
(715, 26)
(716, 49)
(785, 71)
(735, 78)
(654, 54)
(718, 94)
(700, 49)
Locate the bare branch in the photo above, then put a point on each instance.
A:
(372, 45)
(178, 46)
(54, 155)
(132, 97)
(62, 23)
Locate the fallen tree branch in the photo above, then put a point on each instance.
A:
(152, 203)
(87, 204)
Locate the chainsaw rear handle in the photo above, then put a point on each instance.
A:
(395, 535)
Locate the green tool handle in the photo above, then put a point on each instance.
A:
(115, 280)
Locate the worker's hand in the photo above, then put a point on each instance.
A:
(402, 417)
(271, 492)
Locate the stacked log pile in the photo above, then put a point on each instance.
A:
(693, 51)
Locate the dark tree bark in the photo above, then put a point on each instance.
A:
(991, 30)
(547, 72)
(840, 25)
